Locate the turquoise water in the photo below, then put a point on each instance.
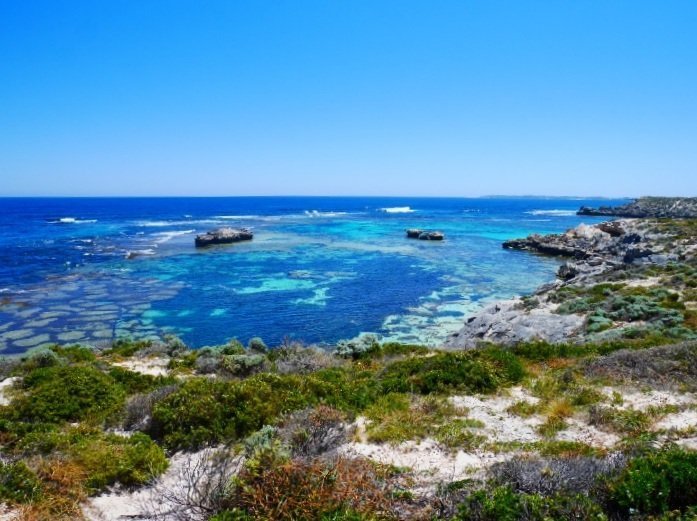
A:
(318, 269)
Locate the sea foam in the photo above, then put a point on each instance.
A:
(73, 220)
(398, 209)
(557, 213)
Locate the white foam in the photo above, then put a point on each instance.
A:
(238, 217)
(73, 220)
(168, 236)
(316, 213)
(557, 213)
(162, 224)
(135, 253)
(398, 209)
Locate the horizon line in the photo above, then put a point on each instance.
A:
(486, 196)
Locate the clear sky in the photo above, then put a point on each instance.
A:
(348, 97)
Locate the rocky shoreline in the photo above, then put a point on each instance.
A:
(649, 207)
(624, 254)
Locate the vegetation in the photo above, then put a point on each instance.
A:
(284, 411)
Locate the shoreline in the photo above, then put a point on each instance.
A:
(624, 253)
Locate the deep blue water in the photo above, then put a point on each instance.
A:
(319, 268)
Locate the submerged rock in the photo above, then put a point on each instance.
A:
(224, 236)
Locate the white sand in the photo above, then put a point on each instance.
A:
(153, 366)
(6, 389)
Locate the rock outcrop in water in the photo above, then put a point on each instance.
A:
(424, 235)
(673, 207)
(224, 236)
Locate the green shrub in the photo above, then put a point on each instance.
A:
(74, 354)
(55, 394)
(396, 349)
(626, 421)
(127, 347)
(206, 411)
(656, 483)
(133, 382)
(18, 484)
(38, 360)
(504, 504)
(540, 350)
(242, 365)
(110, 459)
(256, 344)
(105, 458)
(457, 433)
(357, 348)
(470, 371)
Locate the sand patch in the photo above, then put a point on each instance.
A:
(6, 389)
(500, 425)
(641, 400)
(149, 366)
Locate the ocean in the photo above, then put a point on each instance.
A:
(320, 269)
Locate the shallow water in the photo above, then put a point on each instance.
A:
(318, 269)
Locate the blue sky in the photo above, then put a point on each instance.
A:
(351, 97)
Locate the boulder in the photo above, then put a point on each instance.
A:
(613, 228)
(223, 236)
(425, 235)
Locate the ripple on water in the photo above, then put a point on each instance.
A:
(26, 313)
(70, 336)
(16, 334)
(33, 341)
(103, 333)
(40, 323)
(8, 325)
(53, 314)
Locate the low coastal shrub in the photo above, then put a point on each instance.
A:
(126, 347)
(314, 431)
(242, 365)
(318, 489)
(137, 414)
(660, 310)
(103, 459)
(109, 459)
(458, 434)
(74, 354)
(504, 504)
(469, 371)
(398, 417)
(558, 411)
(18, 484)
(67, 393)
(133, 382)
(204, 411)
(656, 483)
(361, 347)
(623, 421)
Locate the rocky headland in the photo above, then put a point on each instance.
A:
(649, 207)
(620, 278)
